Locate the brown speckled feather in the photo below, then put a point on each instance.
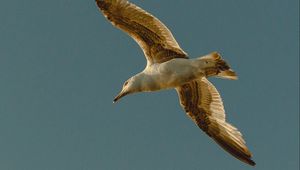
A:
(202, 102)
(155, 39)
(199, 98)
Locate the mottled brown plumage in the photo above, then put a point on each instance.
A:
(202, 102)
(199, 98)
(153, 36)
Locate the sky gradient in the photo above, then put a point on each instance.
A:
(62, 63)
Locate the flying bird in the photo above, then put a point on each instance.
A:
(168, 67)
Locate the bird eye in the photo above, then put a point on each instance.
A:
(125, 83)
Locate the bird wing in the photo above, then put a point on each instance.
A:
(155, 39)
(203, 104)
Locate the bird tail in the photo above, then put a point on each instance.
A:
(214, 65)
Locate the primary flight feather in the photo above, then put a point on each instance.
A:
(168, 67)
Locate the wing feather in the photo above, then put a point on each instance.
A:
(155, 39)
(204, 105)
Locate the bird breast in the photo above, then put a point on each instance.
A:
(172, 73)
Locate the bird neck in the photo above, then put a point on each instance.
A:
(146, 83)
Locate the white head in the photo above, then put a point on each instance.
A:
(130, 86)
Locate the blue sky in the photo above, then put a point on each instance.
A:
(62, 63)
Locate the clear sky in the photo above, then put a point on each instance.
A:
(62, 63)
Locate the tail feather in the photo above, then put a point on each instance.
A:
(218, 67)
(227, 74)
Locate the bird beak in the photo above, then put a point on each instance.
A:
(120, 95)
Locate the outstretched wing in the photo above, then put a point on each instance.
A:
(202, 102)
(155, 39)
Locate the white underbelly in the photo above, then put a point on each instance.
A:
(174, 73)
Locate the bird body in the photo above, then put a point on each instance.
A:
(168, 66)
(166, 75)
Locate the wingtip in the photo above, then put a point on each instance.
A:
(251, 162)
(242, 155)
(248, 160)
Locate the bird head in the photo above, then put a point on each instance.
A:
(130, 86)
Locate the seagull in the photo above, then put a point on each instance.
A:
(168, 67)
